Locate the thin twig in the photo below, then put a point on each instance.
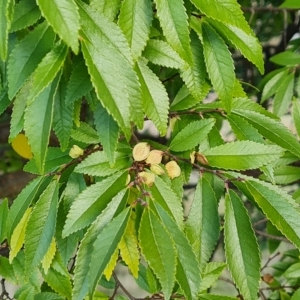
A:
(272, 237)
(269, 260)
(260, 222)
(118, 282)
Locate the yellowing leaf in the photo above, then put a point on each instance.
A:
(18, 236)
(47, 260)
(128, 248)
(111, 265)
(21, 146)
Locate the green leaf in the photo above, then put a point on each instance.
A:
(271, 129)
(243, 130)
(184, 99)
(174, 22)
(296, 295)
(109, 8)
(48, 296)
(48, 69)
(286, 58)
(26, 13)
(286, 174)
(79, 83)
(187, 272)
(202, 227)
(161, 53)
(293, 271)
(191, 135)
(219, 63)
(227, 12)
(86, 134)
(41, 227)
(296, 115)
(20, 205)
(214, 297)
(59, 283)
(155, 97)
(3, 218)
(158, 250)
(63, 116)
(5, 20)
(63, 16)
(283, 96)
(81, 280)
(290, 4)
(245, 42)
(195, 75)
(278, 207)
(273, 84)
(26, 56)
(4, 100)
(97, 164)
(167, 198)
(107, 130)
(241, 248)
(91, 202)
(242, 155)
(6, 270)
(38, 122)
(135, 20)
(211, 274)
(105, 245)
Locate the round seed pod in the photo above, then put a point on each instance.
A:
(141, 151)
(173, 169)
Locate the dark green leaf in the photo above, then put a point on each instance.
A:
(286, 58)
(3, 218)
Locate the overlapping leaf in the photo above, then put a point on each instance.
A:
(241, 248)
(296, 115)
(135, 20)
(3, 218)
(109, 8)
(63, 16)
(6, 7)
(242, 155)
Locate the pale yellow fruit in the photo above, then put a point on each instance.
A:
(76, 151)
(201, 159)
(141, 151)
(173, 169)
(155, 157)
(192, 157)
(147, 178)
(156, 169)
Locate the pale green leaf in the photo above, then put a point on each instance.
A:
(187, 271)
(155, 97)
(174, 22)
(59, 283)
(129, 247)
(6, 270)
(107, 130)
(228, 12)
(242, 155)
(18, 236)
(97, 164)
(91, 202)
(47, 69)
(81, 280)
(158, 250)
(49, 256)
(271, 129)
(238, 90)
(26, 13)
(63, 116)
(48, 296)
(286, 174)
(26, 56)
(191, 135)
(243, 130)
(273, 84)
(20, 205)
(38, 122)
(211, 274)
(161, 53)
(296, 295)
(41, 227)
(86, 134)
(241, 248)
(135, 20)
(3, 219)
(202, 227)
(283, 96)
(109, 8)
(5, 20)
(286, 58)
(245, 42)
(296, 115)
(279, 208)
(167, 198)
(293, 271)
(195, 74)
(27, 293)
(215, 297)
(219, 63)
(104, 246)
(108, 271)
(79, 83)
(63, 16)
